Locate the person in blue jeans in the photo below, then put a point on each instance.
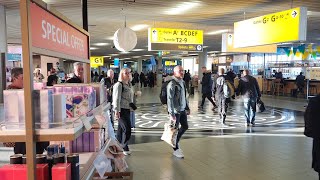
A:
(250, 91)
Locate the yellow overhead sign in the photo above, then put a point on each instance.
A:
(96, 61)
(285, 26)
(165, 39)
(170, 63)
(176, 36)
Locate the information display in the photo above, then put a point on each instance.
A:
(284, 26)
(164, 39)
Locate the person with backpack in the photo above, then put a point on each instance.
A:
(187, 79)
(250, 91)
(178, 108)
(122, 98)
(206, 88)
(311, 130)
(109, 82)
(221, 92)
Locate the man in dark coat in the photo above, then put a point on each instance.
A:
(250, 91)
(206, 88)
(78, 73)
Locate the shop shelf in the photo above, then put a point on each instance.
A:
(69, 131)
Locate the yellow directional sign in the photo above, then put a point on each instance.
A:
(285, 26)
(96, 61)
(175, 39)
(170, 63)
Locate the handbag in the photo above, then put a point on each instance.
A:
(169, 135)
(133, 106)
(260, 106)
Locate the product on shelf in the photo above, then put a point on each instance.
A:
(39, 85)
(61, 171)
(43, 100)
(11, 109)
(73, 159)
(60, 110)
(16, 159)
(19, 172)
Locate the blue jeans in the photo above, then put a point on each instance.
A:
(250, 109)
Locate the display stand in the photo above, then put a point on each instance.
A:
(36, 39)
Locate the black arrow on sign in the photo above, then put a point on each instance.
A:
(294, 14)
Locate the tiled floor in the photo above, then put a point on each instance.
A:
(274, 149)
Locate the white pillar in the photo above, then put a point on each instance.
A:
(202, 62)
(121, 64)
(3, 50)
(139, 67)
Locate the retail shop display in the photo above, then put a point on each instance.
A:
(19, 172)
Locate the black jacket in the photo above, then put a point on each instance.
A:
(248, 87)
(206, 83)
(75, 79)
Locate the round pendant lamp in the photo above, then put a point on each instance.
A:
(125, 39)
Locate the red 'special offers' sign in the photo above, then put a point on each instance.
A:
(51, 33)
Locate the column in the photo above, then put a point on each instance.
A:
(121, 64)
(202, 62)
(3, 50)
(139, 67)
(158, 72)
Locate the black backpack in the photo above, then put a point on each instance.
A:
(311, 118)
(163, 92)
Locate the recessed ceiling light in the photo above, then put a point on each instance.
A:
(124, 52)
(147, 55)
(138, 50)
(110, 38)
(136, 56)
(127, 58)
(93, 48)
(182, 8)
(213, 51)
(218, 32)
(139, 27)
(114, 54)
(101, 44)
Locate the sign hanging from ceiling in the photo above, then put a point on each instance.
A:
(170, 63)
(164, 39)
(227, 45)
(96, 61)
(51, 33)
(285, 26)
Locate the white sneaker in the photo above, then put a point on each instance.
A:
(127, 153)
(178, 153)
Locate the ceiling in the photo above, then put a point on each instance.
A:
(106, 16)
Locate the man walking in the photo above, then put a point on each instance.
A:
(206, 88)
(249, 89)
(219, 96)
(178, 108)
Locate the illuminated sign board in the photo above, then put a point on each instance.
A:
(51, 33)
(170, 63)
(165, 39)
(285, 26)
(96, 61)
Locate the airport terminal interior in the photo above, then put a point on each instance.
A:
(275, 41)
